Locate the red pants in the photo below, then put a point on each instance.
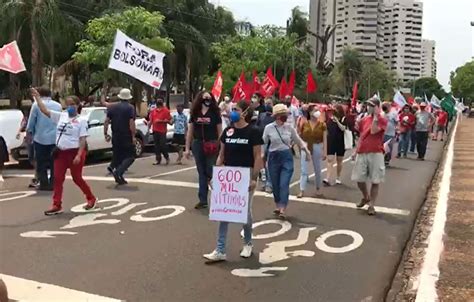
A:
(62, 162)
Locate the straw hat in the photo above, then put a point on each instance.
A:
(125, 94)
(280, 109)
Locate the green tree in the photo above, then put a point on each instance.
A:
(298, 24)
(428, 86)
(348, 69)
(462, 81)
(376, 77)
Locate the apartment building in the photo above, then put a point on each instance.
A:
(428, 62)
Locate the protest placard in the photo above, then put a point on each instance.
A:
(230, 194)
(137, 60)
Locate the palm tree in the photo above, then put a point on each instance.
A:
(349, 67)
(298, 23)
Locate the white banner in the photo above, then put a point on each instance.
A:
(137, 60)
(230, 194)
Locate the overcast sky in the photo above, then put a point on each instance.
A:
(445, 21)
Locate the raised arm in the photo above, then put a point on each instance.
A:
(42, 107)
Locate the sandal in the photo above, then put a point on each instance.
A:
(363, 202)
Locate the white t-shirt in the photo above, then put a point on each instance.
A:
(293, 116)
(71, 128)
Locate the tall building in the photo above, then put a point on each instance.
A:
(388, 30)
(428, 62)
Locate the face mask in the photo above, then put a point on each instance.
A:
(207, 102)
(283, 118)
(406, 110)
(234, 116)
(71, 111)
(227, 99)
(317, 114)
(422, 108)
(159, 104)
(370, 110)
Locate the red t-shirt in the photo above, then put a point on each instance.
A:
(158, 114)
(442, 118)
(407, 121)
(371, 143)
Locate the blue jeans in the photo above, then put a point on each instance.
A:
(403, 143)
(412, 141)
(317, 159)
(44, 161)
(280, 166)
(224, 226)
(204, 165)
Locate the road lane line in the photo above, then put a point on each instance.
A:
(172, 172)
(20, 289)
(429, 274)
(322, 171)
(183, 184)
(108, 163)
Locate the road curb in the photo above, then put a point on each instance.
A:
(405, 281)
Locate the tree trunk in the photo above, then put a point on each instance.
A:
(36, 71)
(137, 88)
(187, 84)
(75, 83)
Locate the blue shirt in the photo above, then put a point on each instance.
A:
(42, 127)
(180, 123)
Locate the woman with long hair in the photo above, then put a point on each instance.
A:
(241, 146)
(205, 127)
(313, 132)
(336, 125)
(70, 152)
(279, 136)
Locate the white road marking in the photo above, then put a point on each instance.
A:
(140, 218)
(321, 242)
(429, 274)
(259, 272)
(322, 171)
(20, 289)
(15, 195)
(172, 172)
(183, 184)
(45, 234)
(108, 163)
(285, 226)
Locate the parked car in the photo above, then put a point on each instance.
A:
(10, 121)
(95, 141)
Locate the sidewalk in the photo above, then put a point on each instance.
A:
(456, 281)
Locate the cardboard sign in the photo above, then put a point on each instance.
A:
(230, 194)
(137, 60)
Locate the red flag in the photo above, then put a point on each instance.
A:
(291, 83)
(355, 91)
(256, 82)
(311, 85)
(411, 100)
(283, 89)
(239, 89)
(217, 88)
(269, 85)
(10, 58)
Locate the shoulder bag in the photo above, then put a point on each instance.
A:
(209, 147)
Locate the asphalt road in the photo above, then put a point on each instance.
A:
(131, 250)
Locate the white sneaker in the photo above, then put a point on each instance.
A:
(246, 251)
(215, 256)
(338, 182)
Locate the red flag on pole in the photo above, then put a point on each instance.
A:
(217, 88)
(255, 83)
(239, 89)
(269, 85)
(10, 58)
(355, 91)
(311, 85)
(283, 89)
(291, 83)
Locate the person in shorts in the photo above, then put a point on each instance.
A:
(369, 165)
(441, 124)
(180, 122)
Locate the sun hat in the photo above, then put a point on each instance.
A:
(423, 104)
(373, 102)
(125, 94)
(280, 109)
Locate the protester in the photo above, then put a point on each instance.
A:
(407, 121)
(180, 122)
(441, 124)
(314, 134)
(336, 125)
(279, 135)
(414, 111)
(159, 118)
(205, 128)
(122, 118)
(90, 102)
(29, 147)
(293, 113)
(265, 118)
(44, 138)
(240, 147)
(391, 131)
(424, 120)
(369, 165)
(70, 151)
(225, 107)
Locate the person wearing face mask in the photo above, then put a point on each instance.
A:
(225, 106)
(336, 124)
(180, 122)
(406, 121)
(369, 165)
(293, 113)
(279, 136)
(391, 130)
(265, 118)
(205, 128)
(70, 152)
(314, 134)
(44, 138)
(240, 147)
(414, 110)
(159, 119)
(424, 121)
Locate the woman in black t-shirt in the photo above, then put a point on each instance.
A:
(336, 125)
(205, 127)
(240, 147)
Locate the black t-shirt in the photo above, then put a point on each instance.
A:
(335, 134)
(206, 124)
(239, 143)
(120, 115)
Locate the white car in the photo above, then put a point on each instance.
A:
(95, 141)
(10, 122)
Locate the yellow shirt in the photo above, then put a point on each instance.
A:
(313, 135)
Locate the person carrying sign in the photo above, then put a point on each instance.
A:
(240, 147)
